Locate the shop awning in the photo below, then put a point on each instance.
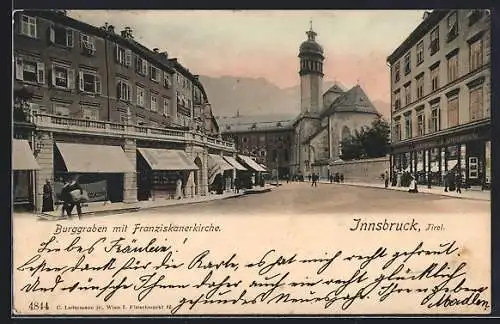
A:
(215, 160)
(251, 163)
(167, 160)
(22, 156)
(263, 167)
(92, 158)
(234, 163)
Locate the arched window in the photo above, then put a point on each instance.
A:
(346, 133)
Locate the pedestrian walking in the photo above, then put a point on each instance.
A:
(446, 179)
(458, 184)
(309, 177)
(341, 178)
(386, 179)
(48, 197)
(76, 197)
(315, 178)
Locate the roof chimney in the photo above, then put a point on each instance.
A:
(111, 29)
(165, 54)
(426, 15)
(127, 33)
(156, 50)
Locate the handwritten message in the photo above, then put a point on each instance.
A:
(198, 268)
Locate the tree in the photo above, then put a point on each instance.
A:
(367, 142)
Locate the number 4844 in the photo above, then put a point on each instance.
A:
(38, 306)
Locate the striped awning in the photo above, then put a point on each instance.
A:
(251, 163)
(92, 158)
(22, 156)
(216, 165)
(235, 163)
(167, 160)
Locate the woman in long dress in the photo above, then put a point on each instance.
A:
(48, 197)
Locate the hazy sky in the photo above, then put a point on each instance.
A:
(265, 43)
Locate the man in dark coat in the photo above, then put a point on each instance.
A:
(71, 202)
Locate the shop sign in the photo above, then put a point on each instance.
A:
(457, 139)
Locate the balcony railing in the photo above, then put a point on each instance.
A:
(99, 127)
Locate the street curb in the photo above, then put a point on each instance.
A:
(420, 192)
(136, 209)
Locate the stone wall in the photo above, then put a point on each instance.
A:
(366, 170)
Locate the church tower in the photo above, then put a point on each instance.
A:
(311, 84)
(311, 74)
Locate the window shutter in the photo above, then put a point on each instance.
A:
(138, 101)
(129, 94)
(118, 91)
(40, 72)
(71, 79)
(69, 37)
(80, 81)
(128, 57)
(145, 67)
(52, 34)
(19, 68)
(98, 88)
(53, 72)
(117, 53)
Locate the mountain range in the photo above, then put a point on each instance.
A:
(231, 95)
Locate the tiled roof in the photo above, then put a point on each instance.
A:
(354, 100)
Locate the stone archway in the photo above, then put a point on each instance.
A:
(198, 176)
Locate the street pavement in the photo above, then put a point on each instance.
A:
(326, 198)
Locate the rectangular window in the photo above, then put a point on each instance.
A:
(60, 109)
(474, 16)
(141, 66)
(167, 83)
(397, 73)
(165, 106)
(397, 100)
(155, 74)
(90, 113)
(89, 82)
(60, 35)
(397, 131)
(407, 63)
(123, 91)
(28, 26)
(420, 86)
(476, 55)
(408, 94)
(123, 56)
(476, 104)
(453, 68)
(420, 52)
(63, 77)
(452, 26)
(87, 44)
(421, 124)
(434, 122)
(140, 96)
(435, 79)
(434, 47)
(408, 128)
(154, 101)
(453, 117)
(30, 71)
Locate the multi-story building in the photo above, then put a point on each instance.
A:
(105, 107)
(440, 85)
(268, 140)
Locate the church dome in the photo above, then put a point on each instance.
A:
(310, 46)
